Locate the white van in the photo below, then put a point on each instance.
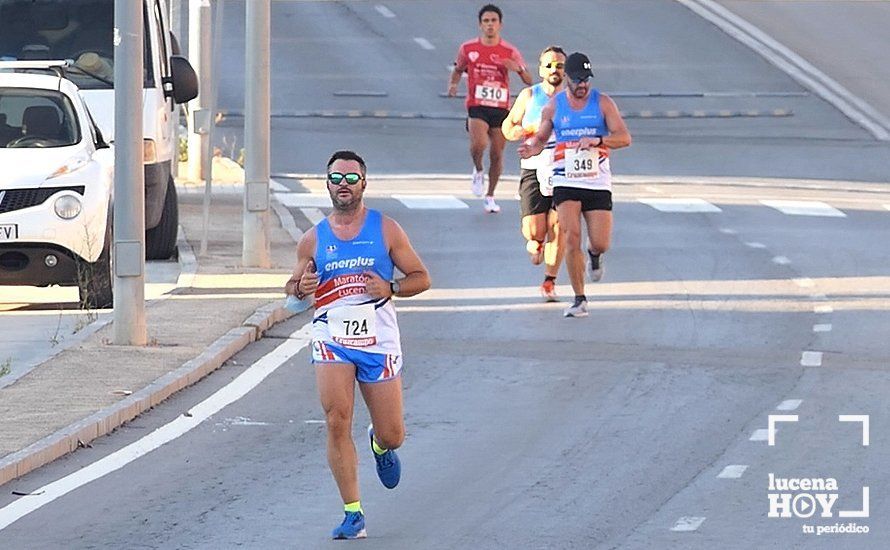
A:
(82, 31)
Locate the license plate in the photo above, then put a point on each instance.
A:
(9, 231)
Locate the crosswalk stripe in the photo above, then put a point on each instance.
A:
(300, 200)
(804, 208)
(313, 214)
(431, 202)
(680, 205)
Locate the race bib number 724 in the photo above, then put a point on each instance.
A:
(353, 326)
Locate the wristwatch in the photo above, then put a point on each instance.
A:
(395, 287)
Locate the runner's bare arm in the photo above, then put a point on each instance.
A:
(536, 143)
(512, 126)
(460, 65)
(305, 253)
(517, 65)
(619, 136)
(417, 278)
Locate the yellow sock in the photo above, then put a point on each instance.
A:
(353, 507)
(377, 448)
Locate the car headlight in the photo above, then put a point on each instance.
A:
(67, 207)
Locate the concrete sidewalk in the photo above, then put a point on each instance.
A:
(90, 389)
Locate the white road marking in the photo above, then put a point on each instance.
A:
(276, 187)
(299, 200)
(805, 282)
(314, 214)
(384, 11)
(794, 65)
(431, 202)
(781, 260)
(823, 309)
(733, 471)
(804, 208)
(424, 43)
(811, 359)
(755, 245)
(314, 421)
(233, 391)
(688, 523)
(680, 205)
(728, 231)
(760, 434)
(789, 405)
(822, 327)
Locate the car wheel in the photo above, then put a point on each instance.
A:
(95, 281)
(160, 241)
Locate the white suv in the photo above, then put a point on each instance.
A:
(56, 186)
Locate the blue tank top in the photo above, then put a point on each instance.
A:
(341, 285)
(571, 125)
(533, 108)
(531, 119)
(366, 252)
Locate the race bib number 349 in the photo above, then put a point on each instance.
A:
(491, 93)
(582, 164)
(353, 326)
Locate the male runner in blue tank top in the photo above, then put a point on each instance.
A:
(587, 125)
(345, 265)
(539, 220)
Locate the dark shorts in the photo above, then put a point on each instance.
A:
(531, 201)
(590, 199)
(493, 116)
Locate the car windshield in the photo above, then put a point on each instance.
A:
(36, 119)
(80, 30)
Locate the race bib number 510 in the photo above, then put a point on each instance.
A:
(490, 93)
(582, 164)
(353, 326)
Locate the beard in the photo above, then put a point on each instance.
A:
(554, 80)
(346, 203)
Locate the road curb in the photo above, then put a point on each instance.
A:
(80, 433)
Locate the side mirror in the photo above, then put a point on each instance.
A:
(183, 79)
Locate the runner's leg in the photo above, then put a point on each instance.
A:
(478, 129)
(554, 249)
(599, 230)
(496, 158)
(336, 388)
(570, 229)
(384, 401)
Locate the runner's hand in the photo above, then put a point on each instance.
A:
(588, 143)
(530, 148)
(309, 280)
(452, 90)
(376, 286)
(512, 65)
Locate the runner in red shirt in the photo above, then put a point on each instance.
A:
(487, 61)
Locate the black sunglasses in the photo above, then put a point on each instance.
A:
(351, 178)
(553, 65)
(579, 80)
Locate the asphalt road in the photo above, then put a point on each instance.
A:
(641, 426)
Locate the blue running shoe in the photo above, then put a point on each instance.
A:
(389, 469)
(353, 527)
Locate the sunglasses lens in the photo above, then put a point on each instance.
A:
(335, 178)
(554, 65)
(352, 178)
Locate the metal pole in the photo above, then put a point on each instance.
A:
(129, 179)
(256, 250)
(200, 56)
